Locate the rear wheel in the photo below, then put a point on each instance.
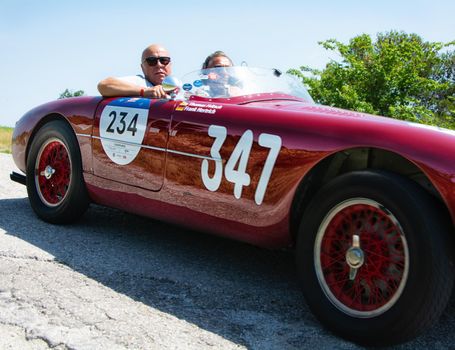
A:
(374, 258)
(55, 184)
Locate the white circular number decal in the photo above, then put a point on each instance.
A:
(122, 131)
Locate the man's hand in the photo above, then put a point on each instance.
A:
(155, 92)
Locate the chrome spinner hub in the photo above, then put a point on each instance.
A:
(355, 257)
(48, 172)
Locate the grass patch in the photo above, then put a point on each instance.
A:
(5, 139)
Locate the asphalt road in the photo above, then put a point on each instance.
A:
(118, 281)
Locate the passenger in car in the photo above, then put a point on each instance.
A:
(220, 82)
(216, 60)
(155, 64)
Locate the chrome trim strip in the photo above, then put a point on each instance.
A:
(129, 143)
(161, 149)
(194, 155)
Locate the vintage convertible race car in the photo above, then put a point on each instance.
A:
(366, 202)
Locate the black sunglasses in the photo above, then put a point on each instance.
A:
(153, 61)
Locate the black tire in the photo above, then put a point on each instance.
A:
(391, 281)
(55, 183)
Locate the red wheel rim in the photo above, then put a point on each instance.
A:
(53, 172)
(366, 278)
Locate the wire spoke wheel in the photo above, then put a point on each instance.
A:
(363, 280)
(374, 257)
(55, 182)
(53, 172)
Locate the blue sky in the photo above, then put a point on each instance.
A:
(48, 46)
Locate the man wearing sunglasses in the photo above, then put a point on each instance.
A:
(156, 65)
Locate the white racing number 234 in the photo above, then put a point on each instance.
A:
(122, 131)
(239, 157)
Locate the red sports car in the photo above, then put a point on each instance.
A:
(368, 203)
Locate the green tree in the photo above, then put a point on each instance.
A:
(398, 75)
(70, 93)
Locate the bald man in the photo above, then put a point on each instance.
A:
(156, 65)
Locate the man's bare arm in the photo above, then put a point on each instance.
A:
(112, 87)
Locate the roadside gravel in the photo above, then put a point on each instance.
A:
(117, 281)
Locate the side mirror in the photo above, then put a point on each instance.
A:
(171, 85)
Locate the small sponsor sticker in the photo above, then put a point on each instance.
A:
(197, 83)
(181, 106)
(187, 87)
(208, 108)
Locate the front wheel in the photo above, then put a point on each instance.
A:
(374, 258)
(55, 183)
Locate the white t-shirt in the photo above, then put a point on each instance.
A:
(138, 80)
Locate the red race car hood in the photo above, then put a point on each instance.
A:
(298, 106)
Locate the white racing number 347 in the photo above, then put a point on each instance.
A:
(240, 155)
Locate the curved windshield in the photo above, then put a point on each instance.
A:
(226, 82)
